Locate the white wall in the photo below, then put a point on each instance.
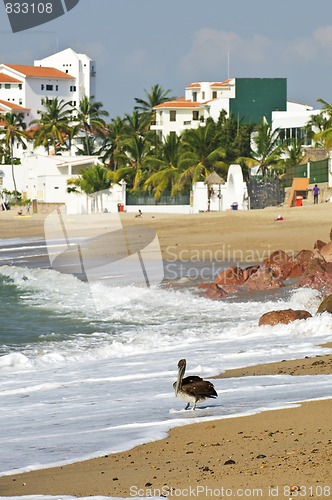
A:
(78, 65)
(35, 94)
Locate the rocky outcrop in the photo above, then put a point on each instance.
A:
(233, 276)
(308, 268)
(263, 279)
(284, 316)
(326, 251)
(280, 263)
(326, 305)
(213, 291)
(319, 244)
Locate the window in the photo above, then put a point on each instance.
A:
(195, 115)
(57, 87)
(172, 116)
(20, 102)
(203, 96)
(214, 94)
(49, 87)
(194, 96)
(20, 86)
(73, 88)
(7, 85)
(42, 86)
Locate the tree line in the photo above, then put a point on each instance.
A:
(131, 152)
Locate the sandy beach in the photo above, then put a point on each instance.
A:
(275, 454)
(245, 236)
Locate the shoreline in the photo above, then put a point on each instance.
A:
(273, 450)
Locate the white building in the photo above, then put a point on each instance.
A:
(201, 101)
(66, 75)
(292, 122)
(252, 98)
(80, 66)
(44, 179)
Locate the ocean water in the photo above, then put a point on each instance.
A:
(77, 381)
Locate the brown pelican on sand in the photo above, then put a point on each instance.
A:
(193, 388)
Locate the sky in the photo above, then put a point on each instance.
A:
(139, 43)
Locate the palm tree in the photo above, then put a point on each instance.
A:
(113, 143)
(135, 123)
(157, 95)
(136, 159)
(200, 154)
(165, 178)
(290, 156)
(267, 151)
(53, 125)
(13, 130)
(91, 181)
(88, 115)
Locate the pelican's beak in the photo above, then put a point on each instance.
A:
(179, 380)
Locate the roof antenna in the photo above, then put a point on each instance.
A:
(228, 60)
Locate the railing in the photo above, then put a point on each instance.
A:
(132, 199)
(318, 172)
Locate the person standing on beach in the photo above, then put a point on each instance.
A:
(316, 193)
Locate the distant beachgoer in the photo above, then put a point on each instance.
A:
(139, 214)
(28, 208)
(316, 193)
(20, 212)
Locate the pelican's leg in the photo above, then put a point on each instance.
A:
(187, 407)
(194, 407)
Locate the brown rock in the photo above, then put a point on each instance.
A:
(280, 263)
(284, 316)
(306, 262)
(231, 276)
(318, 280)
(319, 244)
(326, 305)
(248, 271)
(326, 251)
(263, 279)
(214, 291)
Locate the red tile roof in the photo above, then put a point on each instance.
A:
(8, 79)
(195, 85)
(12, 105)
(178, 103)
(221, 84)
(39, 71)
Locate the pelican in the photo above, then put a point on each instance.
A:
(193, 388)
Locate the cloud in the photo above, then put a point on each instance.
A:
(135, 59)
(94, 50)
(210, 49)
(323, 37)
